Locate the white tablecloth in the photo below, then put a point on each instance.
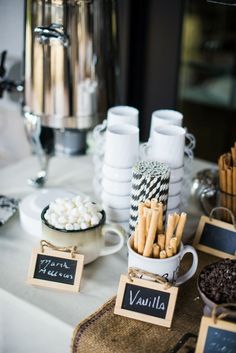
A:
(100, 279)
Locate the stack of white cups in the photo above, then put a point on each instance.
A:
(121, 114)
(121, 152)
(167, 145)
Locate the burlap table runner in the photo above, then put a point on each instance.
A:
(104, 332)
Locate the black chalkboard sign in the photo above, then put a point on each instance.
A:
(216, 237)
(55, 269)
(146, 301)
(216, 337)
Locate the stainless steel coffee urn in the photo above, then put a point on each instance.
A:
(71, 73)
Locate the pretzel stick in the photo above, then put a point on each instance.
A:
(229, 181)
(173, 244)
(169, 251)
(223, 180)
(148, 220)
(176, 219)
(151, 234)
(155, 250)
(141, 234)
(161, 240)
(163, 254)
(170, 229)
(160, 219)
(136, 238)
(145, 211)
(153, 203)
(180, 228)
(234, 180)
(148, 203)
(229, 191)
(140, 209)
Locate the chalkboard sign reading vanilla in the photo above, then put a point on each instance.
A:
(216, 337)
(55, 269)
(216, 237)
(146, 301)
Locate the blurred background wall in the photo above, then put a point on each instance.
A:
(174, 54)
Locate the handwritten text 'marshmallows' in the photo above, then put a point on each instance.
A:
(135, 299)
(52, 268)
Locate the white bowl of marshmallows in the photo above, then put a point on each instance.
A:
(80, 223)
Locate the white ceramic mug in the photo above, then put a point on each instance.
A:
(121, 146)
(166, 145)
(90, 242)
(175, 188)
(176, 174)
(171, 117)
(117, 174)
(122, 114)
(173, 201)
(168, 267)
(116, 187)
(115, 201)
(116, 214)
(165, 117)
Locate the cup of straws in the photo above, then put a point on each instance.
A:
(157, 249)
(227, 182)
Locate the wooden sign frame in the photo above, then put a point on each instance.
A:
(173, 291)
(53, 284)
(196, 242)
(203, 331)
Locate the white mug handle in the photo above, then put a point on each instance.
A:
(193, 268)
(119, 231)
(190, 141)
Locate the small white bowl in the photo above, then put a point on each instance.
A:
(115, 201)
(116, 187)
(176, 174)
(116, 214)
(175, 188)
(117, 174)
(173, 201)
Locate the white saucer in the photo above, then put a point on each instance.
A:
(31, 206)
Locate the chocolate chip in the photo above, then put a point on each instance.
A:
(217, 281)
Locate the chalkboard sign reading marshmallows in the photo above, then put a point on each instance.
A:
(146, 301)
(55, 269)
(216, 337)
(216, 237)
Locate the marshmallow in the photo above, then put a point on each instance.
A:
(73, 214)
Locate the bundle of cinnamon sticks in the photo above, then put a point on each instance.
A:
(150, 237)
(227, 181)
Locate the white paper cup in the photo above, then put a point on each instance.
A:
(117, 174)
(116, 187)
(115, 201)
(165, 117)
(168, 267)
(176, 174)
(167, 145)
(122, 146)
(175, 188)
(173, 201)
(122, 114)
(116, 214)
